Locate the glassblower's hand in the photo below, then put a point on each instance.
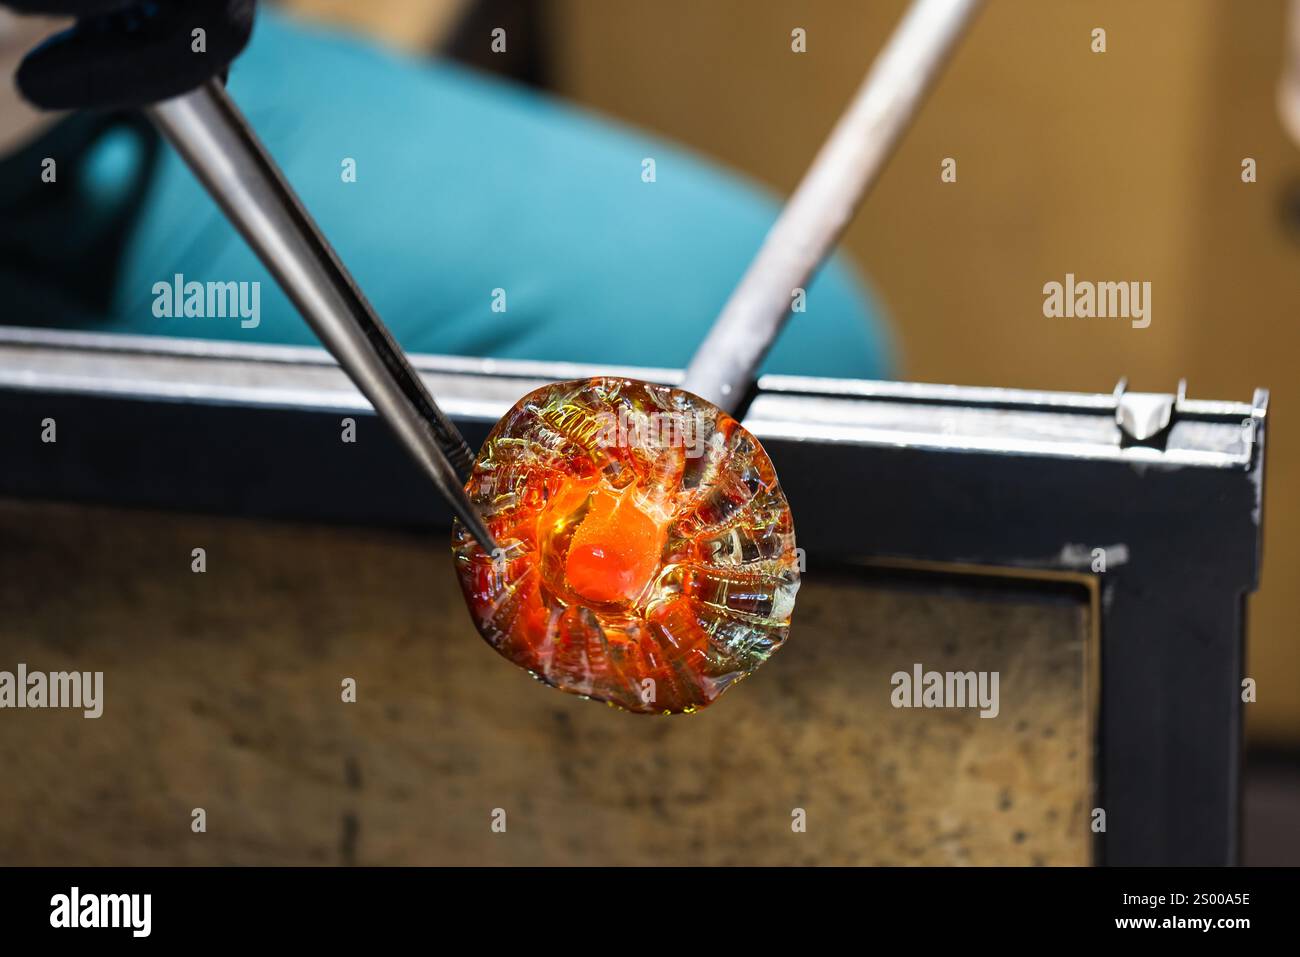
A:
(123, 54)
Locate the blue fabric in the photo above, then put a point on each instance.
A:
(465, 185)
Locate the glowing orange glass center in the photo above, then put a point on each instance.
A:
(615, 550)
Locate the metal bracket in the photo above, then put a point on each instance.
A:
(1144, 418)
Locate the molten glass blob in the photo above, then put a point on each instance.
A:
(646, 552)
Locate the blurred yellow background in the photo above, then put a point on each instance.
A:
(1123, 165)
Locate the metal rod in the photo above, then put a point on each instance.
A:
(218, 144)
(725, 367)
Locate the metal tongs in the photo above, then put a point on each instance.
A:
(215, 140)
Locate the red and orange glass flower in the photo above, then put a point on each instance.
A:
(646, 551)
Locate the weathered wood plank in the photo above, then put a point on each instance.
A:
(222, 691)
